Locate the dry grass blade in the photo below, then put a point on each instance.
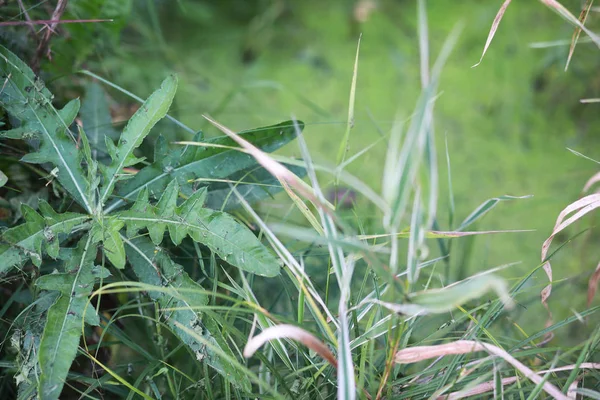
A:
(420, 353)
(489, 386)
(493, 29)
(289, 332)
(593, 180)
(564, 13)
(441, 234)
(580, 207)
(593, 285)
(582, 18)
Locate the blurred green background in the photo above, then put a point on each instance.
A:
(508, 122)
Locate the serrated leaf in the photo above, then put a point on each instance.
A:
(36, 234)
(26, 98)
(62, 332)
(226, 237)
(138, 127)
(97, 121)
(194, 162)
(107, 232)
(156, 268)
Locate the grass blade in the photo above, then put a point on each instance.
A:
(420, 353)
(493, 29)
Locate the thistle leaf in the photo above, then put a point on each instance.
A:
(226, 237)
(253, 184)
(108, 233)
(97, 121)
(62, 332)
(156, 268)
(26, 98)
(138, 127)
(192, 162)
(39, 233)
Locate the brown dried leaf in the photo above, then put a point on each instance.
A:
(580, 208)
(489, 386)
(493, 29)
(593, 180)
(419, 353)
(289, 332)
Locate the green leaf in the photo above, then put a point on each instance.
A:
(157, 269)
(38, 233)
(62, 332)
(192, 162)
(107, 232)
(26, 340)
(253, 184)
(96, 119)
(26, 98)
(226, 237)
(436, 301)
(3, 179)
(138, 127)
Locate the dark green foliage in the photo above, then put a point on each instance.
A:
(70, 252)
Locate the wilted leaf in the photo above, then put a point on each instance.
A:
(289, 332)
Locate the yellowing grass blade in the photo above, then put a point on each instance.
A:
(289, 332)
(493, 29)
(420, 353)
(344, 144)
(582, 18)
(566, 14)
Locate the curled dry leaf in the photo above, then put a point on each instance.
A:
(420, 353)
(493, 29)
(289, 332)
(489, 386)
(593, 180)
(579, 208)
